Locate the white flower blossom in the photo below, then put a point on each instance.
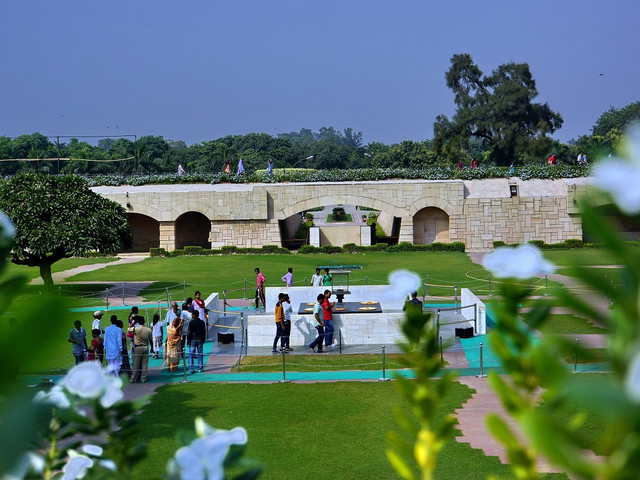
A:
(93, 450)
(55, 396)
(204, 457)
(401, 284)
(7, 230)
(632, 379)
(109, 465)
(76, 467)
(28, 462)
(112, 391)
(621, 177)
(85, 380)
(523, 261)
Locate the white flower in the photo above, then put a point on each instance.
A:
(55, 396)
(109, 465)
(204, 458)
(93, 450)
(85, 380)
(401, 284)
(7, 230)
(523, 261)
(632, 379)
(29, 461)
(621, 177)
(112, 391)
(76, 467)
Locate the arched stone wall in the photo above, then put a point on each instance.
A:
(430, 225)
(145, 231)
(192, 229)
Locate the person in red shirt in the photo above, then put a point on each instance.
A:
(327, 318)
(260, 289)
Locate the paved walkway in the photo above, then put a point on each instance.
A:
(62, 276)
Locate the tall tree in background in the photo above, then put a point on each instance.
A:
(498, 109)
(617, 120)
(58, 217)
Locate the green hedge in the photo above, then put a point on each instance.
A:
(226, 250)
(572, 243)
(383, 247)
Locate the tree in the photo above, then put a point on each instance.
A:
(58, 217)
(617, 120)
(497, 109)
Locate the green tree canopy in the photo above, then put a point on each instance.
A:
(59, 216)
(498, 109)
(617, 120)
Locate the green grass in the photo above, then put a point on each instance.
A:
(59, 266)
(569, 324)
(590, 355)
(310, 363)
(327, 430)
(583, 256)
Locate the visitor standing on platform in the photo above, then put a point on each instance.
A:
(327, 318)
(270, 167)
(97, 321)
(414, 304)
(125, 368)
(317, 316)
(260, 279)
(157, 335)
(286, 333)
(181, 169)
(199, 305)
(279, 312)
(196, 337)
(326, 280)
(113, 346)
(141, 340)
(316, 279)
(288, 277)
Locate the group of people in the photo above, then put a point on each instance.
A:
(186, 326)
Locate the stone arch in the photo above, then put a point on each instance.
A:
(192, 229)
(437, 202)
(430, 224)
(145, 231)
(324, 200)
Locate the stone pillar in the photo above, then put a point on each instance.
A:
(365, 236)
(314, 236)
(406, 229)
(168, 236)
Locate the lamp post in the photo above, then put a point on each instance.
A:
(310, 157)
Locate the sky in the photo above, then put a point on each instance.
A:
(200, 70)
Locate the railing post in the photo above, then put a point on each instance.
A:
(428, 287)
(546, 286)
(123, 294)
(224, 301)
(107, 299)
(441, 354)
(423, 293)
(575, 365)
(184, 365)
(482, 374)
(340, 339)
(244, 297)
(475, 318)
(384, 368)
(184, 291)
(284, 370)
(366, 280)
(455, 298)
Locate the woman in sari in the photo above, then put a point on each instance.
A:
(174, 340)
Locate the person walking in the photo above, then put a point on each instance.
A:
(181, 170)
(174, 338)
(319, 324)
(78, 338)
(317, 278)
(288, 277)
(286, 331)
(97, 321)
(279, 312)
(196, 337)
(240, 167)
(260, 289)
(270, 167)
(141, 340)
(327, 318)
(113, 346)
(157, 335)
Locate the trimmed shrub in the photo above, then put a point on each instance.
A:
(193, 250)
(498, 243)
(349, 248)
(331, 249)
(574, 243)
(308, 249)
(157, 252)
(229, 249)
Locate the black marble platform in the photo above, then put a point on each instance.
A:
(349, 307)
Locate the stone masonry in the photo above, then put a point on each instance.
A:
(479, 211)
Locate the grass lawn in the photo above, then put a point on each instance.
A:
(347, 218)
(327, 430)
(59, 266)
(582, 256)
(568, 323)
(309, 363)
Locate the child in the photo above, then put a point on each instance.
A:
(96, 352)
(157, 334)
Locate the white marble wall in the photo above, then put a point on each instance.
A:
(469, 298)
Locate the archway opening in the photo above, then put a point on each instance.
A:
(145, 231)
(192, 230)
(430, 225)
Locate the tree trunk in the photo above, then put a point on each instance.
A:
(45, 273)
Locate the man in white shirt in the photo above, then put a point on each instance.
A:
(97, 322)
(113, 347)
(316, 279)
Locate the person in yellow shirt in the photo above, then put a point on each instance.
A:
(279, 311)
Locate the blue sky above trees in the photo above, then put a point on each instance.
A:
(201, 70)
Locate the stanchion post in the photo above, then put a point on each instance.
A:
(366, 280)
(428, 287)
(384, 368)
(546, 285)
(490, 294)
(340, 339)
(123, 294)
(107, 299)
(441, 354)
(284, 369)
(59, 291)
(184, 366)
(455, 298)
(224, 301)
(482, 374)
(244, 297)
(575, 365)
(424, 292)
(184, 291)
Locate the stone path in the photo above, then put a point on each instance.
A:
(62, 276)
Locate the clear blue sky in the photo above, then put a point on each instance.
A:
(199, 70)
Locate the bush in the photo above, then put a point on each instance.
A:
(274, 249)
(229, 249)
(498, 244)
(350, 248)
(331, 249)
(308, 249)
(308, 216)
(158, 252)
(193, 250)
(574, 243)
